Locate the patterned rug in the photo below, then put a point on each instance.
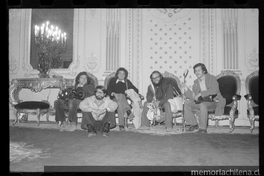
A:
(20, 151)
(154, 130)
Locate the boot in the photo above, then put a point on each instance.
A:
(72, 127)
(91, 130)
(106, 129)
(62, 126)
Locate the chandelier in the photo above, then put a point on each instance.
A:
(52, 42)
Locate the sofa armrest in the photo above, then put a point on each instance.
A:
(236, 97)
(248, 97)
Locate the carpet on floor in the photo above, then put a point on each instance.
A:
(50, 147)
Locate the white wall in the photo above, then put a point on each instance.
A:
(198, 33)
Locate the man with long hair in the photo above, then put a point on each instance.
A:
(205, 85)
(116, 89)
(98, 113)
(82, 83)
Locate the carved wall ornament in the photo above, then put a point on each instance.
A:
(253, 59)
(169, 14)
(92, 11)
(13, 65)
(92, 62)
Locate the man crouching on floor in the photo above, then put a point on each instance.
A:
(98, 113)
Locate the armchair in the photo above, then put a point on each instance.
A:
(106, 82)
(178, 114)
(252, 83)
(230, 86)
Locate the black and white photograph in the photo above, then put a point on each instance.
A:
(134, 89)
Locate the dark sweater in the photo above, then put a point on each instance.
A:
(88, 90)
(119, 87)
(163, 92)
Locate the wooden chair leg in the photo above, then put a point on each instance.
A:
(231, 124)
(38, 117)
(252, 123)
(16, 117)
(216, 123)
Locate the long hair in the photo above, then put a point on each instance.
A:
(122, 69)
(202, 66)
(89, 80)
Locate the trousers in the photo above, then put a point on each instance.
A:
(191, 108)
(98, 125)
(60, 107)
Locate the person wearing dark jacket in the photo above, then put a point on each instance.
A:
(116, 90)
(82, 83)
(205, 85)
(159, 92)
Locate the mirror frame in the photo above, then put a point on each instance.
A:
(26, 66)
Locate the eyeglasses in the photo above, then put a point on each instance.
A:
(155, 78)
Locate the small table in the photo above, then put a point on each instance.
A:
(35, 85)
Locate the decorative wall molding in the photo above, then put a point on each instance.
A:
(230, 38)
(112, 39)
(13, 65)
(203, 36)
(92, 11)
(169, 14)
(211, 41)
(208, 39)
(92, 63)
(252, 59)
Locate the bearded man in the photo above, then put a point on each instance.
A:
(98, 113)
(159, 92)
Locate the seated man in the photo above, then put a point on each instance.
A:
(98, 113)
(159, 92)
(116, 89)
(82, 83)
(204, 86)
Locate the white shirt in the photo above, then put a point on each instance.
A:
(120, 81)
(202, 85)
(88, 103)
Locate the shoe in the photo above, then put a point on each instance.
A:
(62, 126)
(91, 130)
(72, 127)
(106, 129)
(192, 127)
(91, 134)
(201, 131)
(121, 128)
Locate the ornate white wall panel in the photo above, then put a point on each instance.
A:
(14, 59)
(170, 42)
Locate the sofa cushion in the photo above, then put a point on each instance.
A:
(32, 105)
